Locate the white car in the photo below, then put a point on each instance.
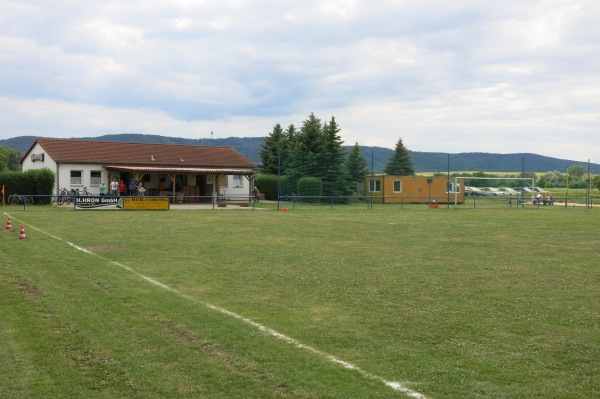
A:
(508, 190)
(473, 191)
(491, 191)
(524, 190)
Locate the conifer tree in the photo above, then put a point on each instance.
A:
(356, 164)
(331, 161)
(290, 134)
(301, 157)
(309, 139)
(270, 149)
(314, 152)
(400, 164)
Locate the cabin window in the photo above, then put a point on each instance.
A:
(453, 188)
(76, 177)
(397, 186)
(375, 186)
(95, 177)
(237, 181)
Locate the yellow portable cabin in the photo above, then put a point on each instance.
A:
(385, 189)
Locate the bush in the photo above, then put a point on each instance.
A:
(578, 184)
(32, 182)
(267, 184)
(310, 186)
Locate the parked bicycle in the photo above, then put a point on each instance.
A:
(16, 199)
(64, 197)
(68, 196)
(84, 192)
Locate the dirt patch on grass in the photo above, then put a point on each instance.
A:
(179, 332)
(30, 289)
(233, 362)
(103, 248)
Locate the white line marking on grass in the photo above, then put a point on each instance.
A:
(397, 386)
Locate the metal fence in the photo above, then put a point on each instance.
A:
(351, 202)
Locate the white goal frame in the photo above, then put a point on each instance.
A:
(526, 179)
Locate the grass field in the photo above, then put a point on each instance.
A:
(312, 303)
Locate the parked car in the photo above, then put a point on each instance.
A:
(525, 190)
(491, 191)
(508, 190)
(472, 191)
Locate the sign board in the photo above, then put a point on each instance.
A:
(147, 203)
(37, 157)
(98, 202)
(120, 203)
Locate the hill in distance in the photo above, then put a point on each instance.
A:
(376, 157)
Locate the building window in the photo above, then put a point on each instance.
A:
(237, 181)
(374, 186)
(95, 178)
(453, 187)
(76, 177)
(397, 186)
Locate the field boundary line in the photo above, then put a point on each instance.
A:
(397, 386)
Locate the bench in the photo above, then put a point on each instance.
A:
(545, 201)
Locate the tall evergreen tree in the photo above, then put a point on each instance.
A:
(314, 152)
(400, 163)
(309, 137)
(270, 149)
(301, 159)
(290, 134)
(356, 164)
(331, 161)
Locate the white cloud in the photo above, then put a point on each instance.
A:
(466, 75)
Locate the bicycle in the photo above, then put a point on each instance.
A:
(64, 197)
(16, 199)
(80, 193)
(84, 192)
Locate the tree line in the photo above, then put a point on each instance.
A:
(311, 161)
(10, 159)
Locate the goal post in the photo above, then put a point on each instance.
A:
(529, 180)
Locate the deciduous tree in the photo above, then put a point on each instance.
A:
(9, 159)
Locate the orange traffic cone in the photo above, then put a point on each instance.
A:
(8, 225)
(22, 233)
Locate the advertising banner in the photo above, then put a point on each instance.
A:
(99, 203)
(146, 203)
(120, 203)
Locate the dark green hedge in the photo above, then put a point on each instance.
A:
(32, 182)
(267, 184)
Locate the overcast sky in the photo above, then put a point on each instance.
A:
(446, 76)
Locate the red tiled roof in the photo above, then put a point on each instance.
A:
(118, 153)
(175, 169)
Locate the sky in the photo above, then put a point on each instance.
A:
(451, 76)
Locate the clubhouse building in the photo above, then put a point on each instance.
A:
(190, 171)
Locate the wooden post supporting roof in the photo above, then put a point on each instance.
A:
(172, 177)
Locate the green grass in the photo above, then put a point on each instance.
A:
(485, 303)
